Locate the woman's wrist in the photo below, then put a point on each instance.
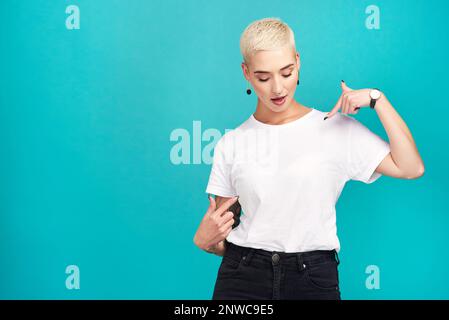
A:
(217, 249)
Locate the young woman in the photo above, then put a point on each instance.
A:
(287, 164)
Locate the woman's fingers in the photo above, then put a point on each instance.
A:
(350, 104)
(212, 205)
(228, 225)
(335, 108)
(345, 107)
(225, 218)
(223, 231)
(224, 207)
(344, 101)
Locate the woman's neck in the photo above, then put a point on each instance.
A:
(293, 112)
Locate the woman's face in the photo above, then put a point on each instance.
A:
(273, 74)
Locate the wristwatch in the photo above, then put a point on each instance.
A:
(374, 95)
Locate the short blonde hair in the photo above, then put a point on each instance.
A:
(265, 34)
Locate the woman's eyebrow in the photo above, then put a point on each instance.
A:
(287, 66)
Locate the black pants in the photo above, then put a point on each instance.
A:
(256, 274)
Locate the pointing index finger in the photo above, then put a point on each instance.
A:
(225, 206)
(335, 108)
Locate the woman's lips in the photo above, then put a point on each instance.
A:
(279, 101)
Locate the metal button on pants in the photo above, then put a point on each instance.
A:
(276, 275)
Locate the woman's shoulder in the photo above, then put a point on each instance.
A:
(230, 136)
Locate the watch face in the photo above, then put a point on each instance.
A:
(374, 94)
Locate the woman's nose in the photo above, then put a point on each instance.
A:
(277, 87)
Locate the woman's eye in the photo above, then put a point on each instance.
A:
(285, 76)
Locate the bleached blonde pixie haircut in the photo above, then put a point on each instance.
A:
(265, 34)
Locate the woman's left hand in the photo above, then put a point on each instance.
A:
(351, 101)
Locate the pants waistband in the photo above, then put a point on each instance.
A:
(240, 251)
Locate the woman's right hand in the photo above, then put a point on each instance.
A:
(216, 224)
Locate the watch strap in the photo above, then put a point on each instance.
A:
(373, 101)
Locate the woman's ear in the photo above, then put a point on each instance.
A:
(245, 71)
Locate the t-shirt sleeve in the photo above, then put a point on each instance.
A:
(220, 182)
(366, 150)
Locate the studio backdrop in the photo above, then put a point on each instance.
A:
(110, 111)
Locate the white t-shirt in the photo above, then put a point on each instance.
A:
(289, 177)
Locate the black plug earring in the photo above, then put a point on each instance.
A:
(248, 91)
(297, 82)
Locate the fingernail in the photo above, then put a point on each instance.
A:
(325, 118)
(342, 80)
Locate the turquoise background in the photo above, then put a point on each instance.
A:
(86, 118)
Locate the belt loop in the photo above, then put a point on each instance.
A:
(247, 256)
(336, 256)
(301, 265)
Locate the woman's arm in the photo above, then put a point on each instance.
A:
(404, 160)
